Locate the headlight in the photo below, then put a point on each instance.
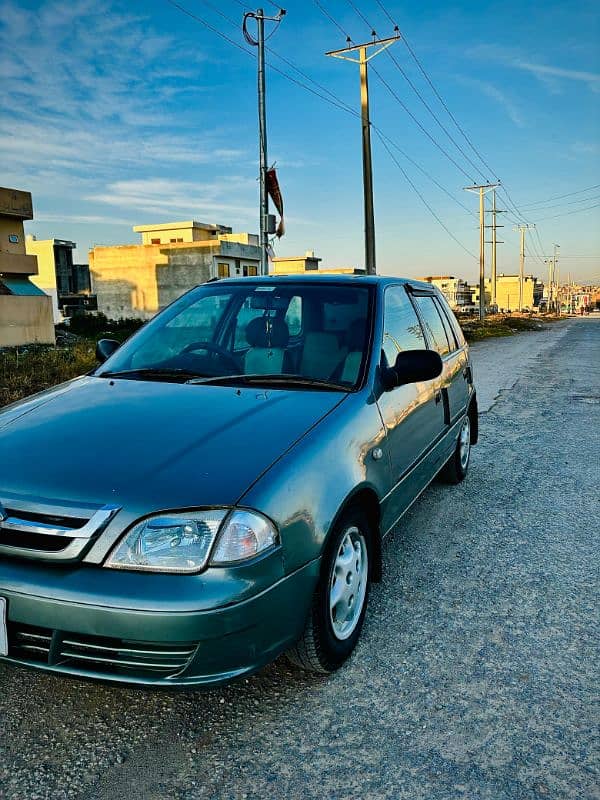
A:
(182, 542)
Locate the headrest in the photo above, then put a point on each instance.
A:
(266, 332)
(355, 335)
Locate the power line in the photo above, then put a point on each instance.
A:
(434, 115)
(362, 16)
(435, 91)
(395, 94)
(420, 126)
(332, 20)
(561, 196)
(561, 205)
(568, 213)
(416, 91)
(336, 101)
(422, 170)
(340, 104)
(386, 140)
(423, 200)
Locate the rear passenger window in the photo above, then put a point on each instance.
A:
(449, 316)
(401, 327)
(434, 327)
(446, 323)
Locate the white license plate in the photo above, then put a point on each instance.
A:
(3, 629)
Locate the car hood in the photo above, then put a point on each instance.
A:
(150, 445)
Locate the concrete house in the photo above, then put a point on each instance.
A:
(68, 284)
(140, 279)
(25, 310)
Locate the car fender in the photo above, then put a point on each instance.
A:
(305, 490)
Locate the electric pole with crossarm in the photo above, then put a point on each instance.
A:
(482, 191)
(494, 226)
(523, 228)
(363, 60)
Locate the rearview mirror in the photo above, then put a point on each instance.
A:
(412, 366)
(105, 348)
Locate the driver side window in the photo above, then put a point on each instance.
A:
(401, 327)
(195, 323)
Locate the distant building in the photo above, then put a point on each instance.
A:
(68, 284)
(475, 294)
(457, 292)
(25, 310)
(289, 265)
(294, 265)
(138, 280)
(507, 292)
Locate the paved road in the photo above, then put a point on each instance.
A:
(477, 674)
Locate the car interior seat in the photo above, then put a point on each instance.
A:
(321, 354)
(355, 340)
(268, 339)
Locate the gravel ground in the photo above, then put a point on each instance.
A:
(476, 674)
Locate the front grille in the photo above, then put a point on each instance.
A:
(97, 654)
(48, 519)
(34, 541)
(46, 536)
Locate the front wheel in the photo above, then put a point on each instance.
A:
(456, 468)
(340, 600)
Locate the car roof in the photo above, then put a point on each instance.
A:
(304, 277)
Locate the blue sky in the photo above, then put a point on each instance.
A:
(116, 114)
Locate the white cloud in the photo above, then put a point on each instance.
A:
(184, 199)
(545, 70)
(552, 76)
(88, 86)
(499, 97)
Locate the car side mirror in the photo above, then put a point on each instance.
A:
(105, 348)
(412, 366)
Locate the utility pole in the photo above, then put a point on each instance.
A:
(555, 274)
(363, 61)
(522, 228)
(494, 226)
(267, 221)
(482, 191)
(552, 279)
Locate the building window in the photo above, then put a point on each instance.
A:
(155, 241)
(223, 270)
(179, 240)
(172, 241)
(249, 270)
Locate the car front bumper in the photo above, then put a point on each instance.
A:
(130, 637)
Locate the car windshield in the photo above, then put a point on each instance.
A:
(297, 334)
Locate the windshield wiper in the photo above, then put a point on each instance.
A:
(159, 373)
(272, 380)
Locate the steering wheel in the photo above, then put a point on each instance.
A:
(213, 348)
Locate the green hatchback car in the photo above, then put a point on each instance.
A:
(217, 491)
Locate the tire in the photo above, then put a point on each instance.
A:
(456, 468)
(329, 636)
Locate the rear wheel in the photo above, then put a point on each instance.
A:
(456, 468)
(340, 600)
